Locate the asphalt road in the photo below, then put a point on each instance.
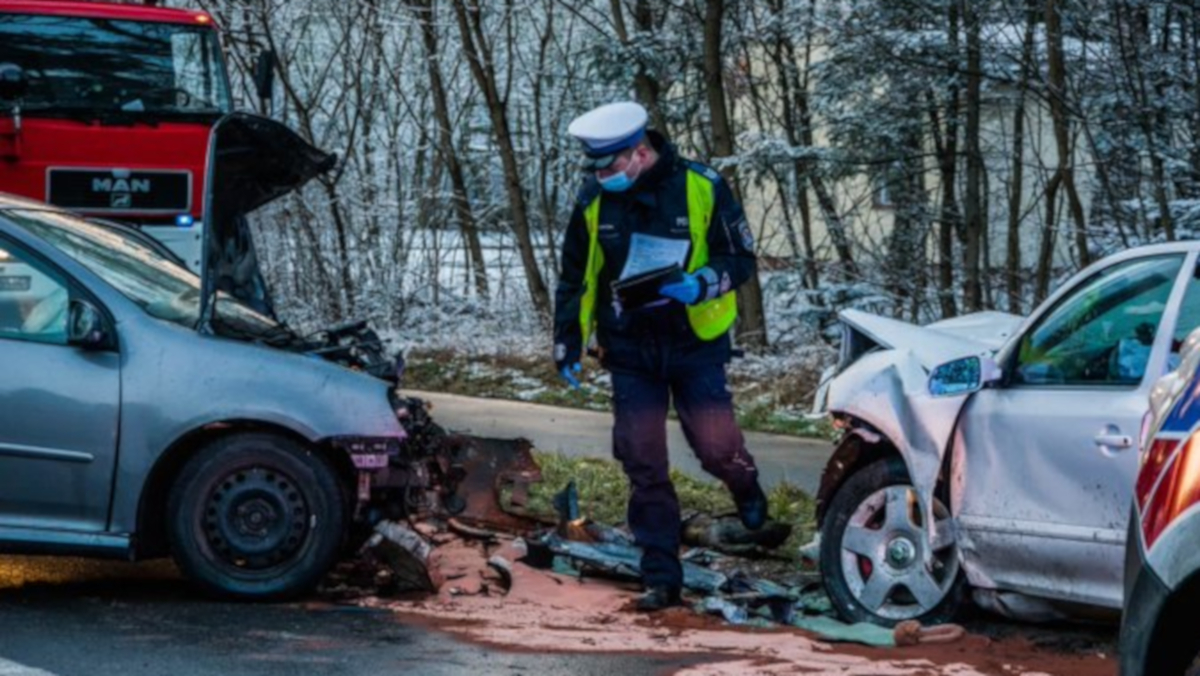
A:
(68, 617)
(576, 432)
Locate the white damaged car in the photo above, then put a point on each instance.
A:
(996, 455)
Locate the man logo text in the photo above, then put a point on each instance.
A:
(126, 185)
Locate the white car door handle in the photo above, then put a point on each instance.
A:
(1114, 440)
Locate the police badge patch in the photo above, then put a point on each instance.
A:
(743, 229)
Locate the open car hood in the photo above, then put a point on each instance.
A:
(253, 161)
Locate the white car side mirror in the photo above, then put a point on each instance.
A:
(963, 376)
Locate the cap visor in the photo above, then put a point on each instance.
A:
(598, 163)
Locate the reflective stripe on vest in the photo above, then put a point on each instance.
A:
(710, 319)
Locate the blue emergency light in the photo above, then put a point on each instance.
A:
(185, 220)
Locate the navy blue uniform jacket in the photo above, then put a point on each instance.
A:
(648, 340)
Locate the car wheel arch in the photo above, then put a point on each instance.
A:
(151, 533)
(861, 446)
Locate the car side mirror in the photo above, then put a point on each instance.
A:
(963, 376)
(12, 82)
(86, 326)
(264, 75)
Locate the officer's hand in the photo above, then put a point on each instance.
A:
(568, 372)
(686, 290)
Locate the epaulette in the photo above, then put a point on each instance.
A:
(704, 170)
(589, 191)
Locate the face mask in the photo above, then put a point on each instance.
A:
(618, 182)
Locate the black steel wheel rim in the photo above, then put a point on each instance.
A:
(256, 519)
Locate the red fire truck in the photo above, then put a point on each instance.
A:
(106, 108)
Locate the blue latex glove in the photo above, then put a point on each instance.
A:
(568, 373)
(686, 290)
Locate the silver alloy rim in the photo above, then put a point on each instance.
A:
(883, 555)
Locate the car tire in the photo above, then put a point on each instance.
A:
(862, 539)
(256, 516)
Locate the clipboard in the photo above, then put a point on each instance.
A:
(641, 290)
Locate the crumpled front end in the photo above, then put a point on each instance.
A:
(880, 382)
(879, 389)
(429, 472)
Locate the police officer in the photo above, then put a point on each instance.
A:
(642, 196)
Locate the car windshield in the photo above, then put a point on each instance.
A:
(84, 65)
(159, 286)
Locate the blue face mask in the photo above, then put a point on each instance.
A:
(618, 182)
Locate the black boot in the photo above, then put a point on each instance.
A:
(752, 508)
(659, 597)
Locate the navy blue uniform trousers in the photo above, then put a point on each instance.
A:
(705, 409)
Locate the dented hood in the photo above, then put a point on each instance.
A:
(253, 161)
(938, 342)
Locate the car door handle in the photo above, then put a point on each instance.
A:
(1114, 440)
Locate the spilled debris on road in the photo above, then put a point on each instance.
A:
(497, 573)
(477, 552)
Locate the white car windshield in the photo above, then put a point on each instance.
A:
(159, 286)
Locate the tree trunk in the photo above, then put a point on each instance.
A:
(645, 85)
(752, 329)
(1016, 196)
(479, 58)
(1062, 127)
(1045, 265)
(796, 117)
(424, 10)
(973, 203)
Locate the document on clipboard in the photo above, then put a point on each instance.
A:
(647, 253)
(652, 262)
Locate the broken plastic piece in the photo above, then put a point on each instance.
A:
(733, 613)
(406, 555)
(566, 503)
(625, 561)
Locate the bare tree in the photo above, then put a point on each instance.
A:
(426, 12)
(480, 55)
(752, 329)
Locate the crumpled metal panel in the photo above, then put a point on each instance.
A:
(888, 389)
(938, 342)
(488, 467)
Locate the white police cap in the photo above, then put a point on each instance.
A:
(607, 130)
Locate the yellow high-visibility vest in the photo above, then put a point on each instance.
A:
(710, 319)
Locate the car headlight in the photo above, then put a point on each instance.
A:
(5, 256)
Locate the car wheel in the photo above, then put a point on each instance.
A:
(256, 516)
(873, 548)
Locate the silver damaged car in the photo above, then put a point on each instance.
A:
(146, 410)
(992, 456)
